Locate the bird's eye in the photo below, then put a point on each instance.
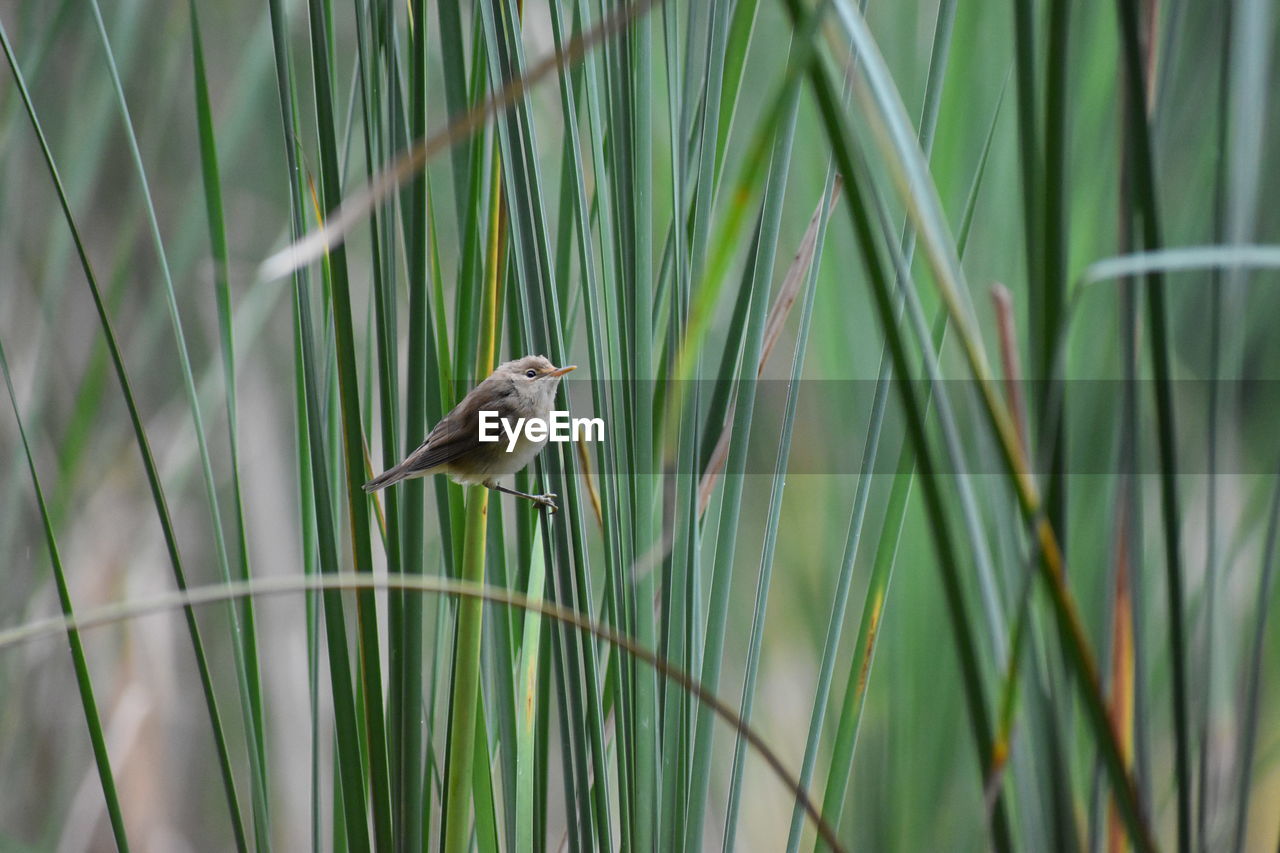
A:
(531, 373)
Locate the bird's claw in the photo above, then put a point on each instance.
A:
(547, 501)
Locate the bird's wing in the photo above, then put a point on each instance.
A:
(458, 433)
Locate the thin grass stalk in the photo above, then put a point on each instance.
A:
(864, 647)
(456, 828)
(741, 28)
(144, 448)
(721, 572)
(349, 801)
(740, 201)
(307, 517)
(349, 781)
(1248, 737)
(645, 487)
(1146, 208)
(703, 194)
(84, 683)
(681, 636)
(680, 585)
(472, 227)
(1029, 162)
(775, 505)
(1129, 306)
(529, 709)
(454, 64)
(255, 723)
(307, 510)
(500, 664)
(434, 774)
(954, 448)
(1214, 408)
(840, 598)
(1047, 287)
(352, 437)
(499, 658)
(1122, 663)
(486, 822)
(409, 781)
(1053, 284)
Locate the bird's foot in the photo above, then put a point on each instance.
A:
(547, 501)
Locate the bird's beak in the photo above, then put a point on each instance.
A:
(561, 371)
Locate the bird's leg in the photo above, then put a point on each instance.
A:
(548, 500)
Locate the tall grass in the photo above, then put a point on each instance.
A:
(693, 202)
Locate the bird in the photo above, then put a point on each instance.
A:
(521, 388)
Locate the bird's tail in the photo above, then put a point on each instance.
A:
(386, 478)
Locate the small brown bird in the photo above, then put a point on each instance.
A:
(520, 389)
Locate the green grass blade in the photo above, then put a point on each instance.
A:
(813, 262)
(255, 722)
(466, 686)
(737, 43)
(348, 781)
(1051, 288)
(1146, 208)
(405, 654)
(1248, 737)
(486, 824)
(1031, 167)
(84, 682)
(352, 437)
(528, 677)
(721, 572)
(464, 728)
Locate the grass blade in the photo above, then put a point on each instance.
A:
(1147, 209)
(1253, 680)
(83, 681)
(712, 651)
(528, 677)
(465, 694)
(805, 264)
(255, 720)
(352, 438)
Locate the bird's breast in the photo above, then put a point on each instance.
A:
(493, 459)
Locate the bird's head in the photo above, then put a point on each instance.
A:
(534, 374)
